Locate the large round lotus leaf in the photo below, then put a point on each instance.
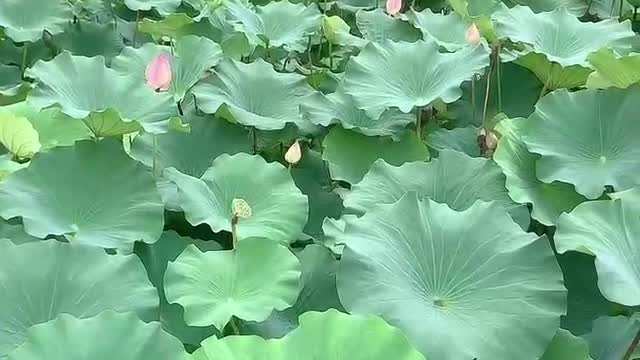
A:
(17, 135)
(192, 57)
(90, 39)
(191, 153)
(611, 70)
(453, 178)
(155, 258)
(319, 293)
(519, 166)
(41, 280)
(14, 231)
(278, 210)
(339, 107)
(253, 94)
(91, 193)
(330, 335)
(25, 20)
(447, 30)
(415, 74)
(461, 139)
(609, 230)
(53, 126)
(552, 74)
(566, 346)
(587, 138)
(164, 7)
(84, 86)
(248, 282)
(350, 154)
(10, 80)
(612, 337)
(559, 35)
(460, 284)
(606, 9)
(377, 26)
(268, 25)
(107, 336)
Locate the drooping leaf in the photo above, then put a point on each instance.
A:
(278, 209)
(462, 139)
(519, 166)
(192, 58)
(25, 20)
(66, 279)
(415, 75)
(608, 230)
(350, 154)
(331, 335)
(613, 71)
(85, 87)
(248, 282)
(17, 135)
(433, 272)
(566, 346)
(253, 94)
(586, 138)
(91, 193)
(448, 31)
(377, 26)
(8, 166)
(109, 335)
(155, 258)
(453, 178)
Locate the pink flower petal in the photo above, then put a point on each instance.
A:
(472, 36)
(394, 6)
(158, 72)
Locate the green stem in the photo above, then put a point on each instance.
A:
(234, 235)
(486, 96)
(155, 155)
(635, 13)
(620, 13)
(267, 52)
(310, 59)
(135, 33)
(632, 347)
(330, 56)
(254, 141)
(25, 52)
(473, 98)
(499, 77)
(419, 122)
(544, 89)
(234, 326)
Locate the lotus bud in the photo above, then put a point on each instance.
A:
(294, 154)
(394, 6)
(158, 72)
(240, 209)
(472, 36)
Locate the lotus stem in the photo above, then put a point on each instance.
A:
(135, 33)
(254, 142)
(179, 106)
(620, 13)
(635, 13)
(330, 56)
(154, 155)
(234, 235)
(25, 52)
(499, 76)
(419, 122)
(473, 98)
(486, 96)
(632, 347)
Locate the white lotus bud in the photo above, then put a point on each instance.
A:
(294, 154)
(472, 36)
(240, 208)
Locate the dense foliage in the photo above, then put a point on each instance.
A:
(335, 180)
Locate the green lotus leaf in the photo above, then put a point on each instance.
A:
(25, 20)
(585, 303)
(433, 75)
(608, 230)
(85, 86)
(460, 284)
(355, 5)
(575, 7)
(453, 178)
(8, 166)
(69, 279)
(319, 293)
(377, 26)
(155, 258)
(92, 193)
(266, 25)
(519, 166)
(566, 346)
(18, 135)
(612, 336)
(605, 9)
(448, 31)
(192, 57)
(109, 335)
(587, 138)
(14, 231)
(164, 7)
(10, 80)
(560, 36)
(248, 282)
(350, 154)
(313, 179)
(53, 126)
(278, 209)
(330, 335)
(90, 39)
(553, 75)
(462, 139)
(613, 71)
(339, 107)
(253, 94)
(172, 26)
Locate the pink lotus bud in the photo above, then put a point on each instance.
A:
(472, 35)
(158, 72)
(394, 6)
(294, 154)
